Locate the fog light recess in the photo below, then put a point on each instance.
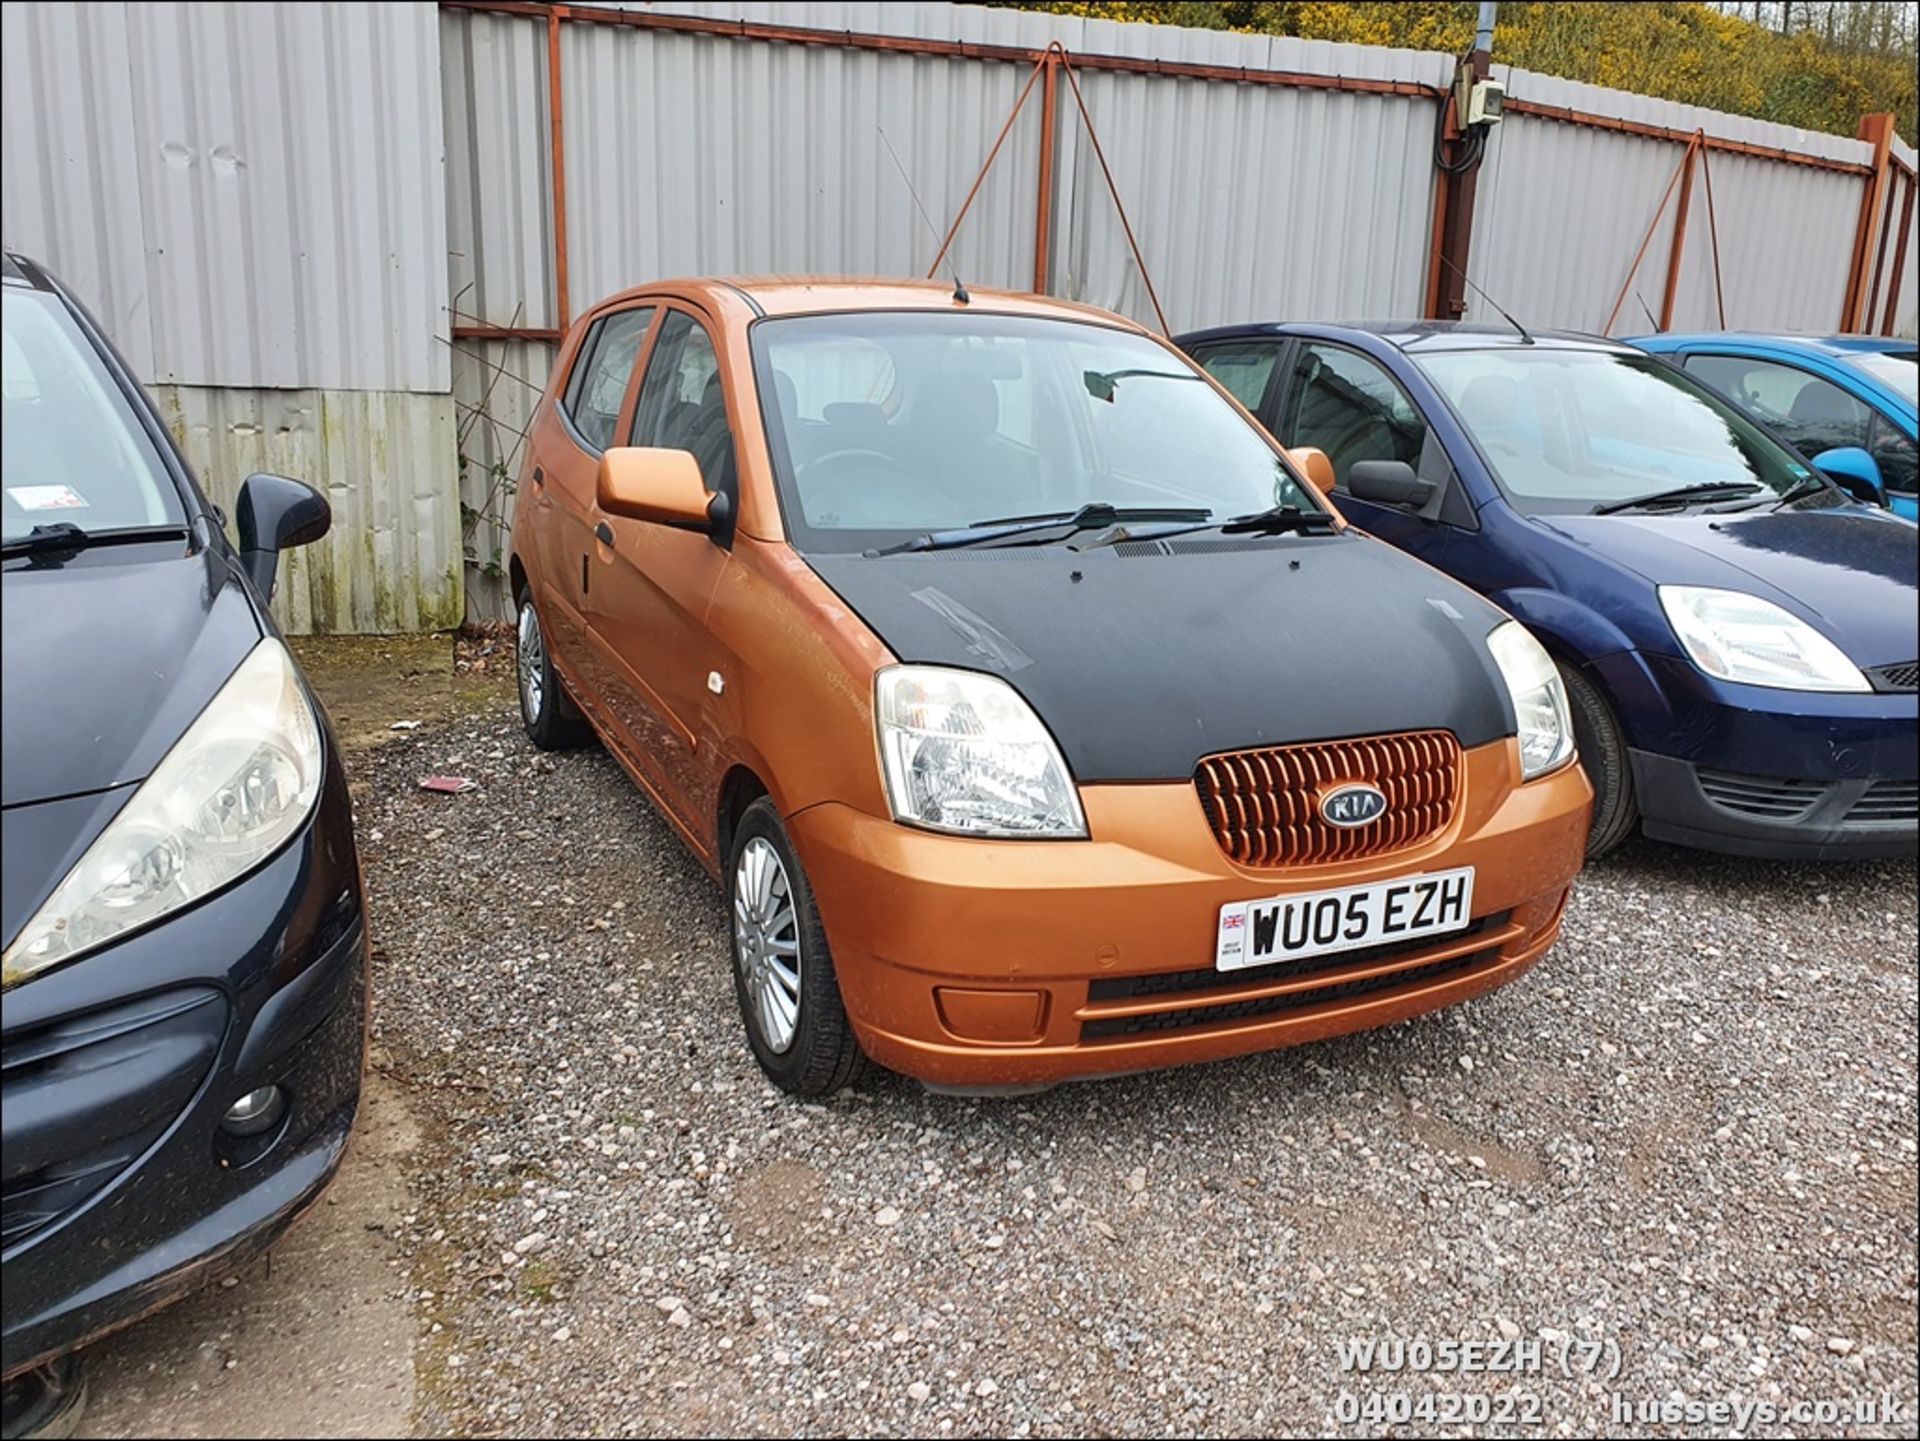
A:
(257, 1111)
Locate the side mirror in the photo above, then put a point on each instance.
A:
(1854, 471)
(274, 514)
(1311, 461)
(644, 482)
(1388, 482)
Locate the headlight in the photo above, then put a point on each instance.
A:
(1739, 637)
(232, 790)
(1539, 698)
(964, 752)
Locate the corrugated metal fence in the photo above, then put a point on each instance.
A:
(249, 197)
(328, 233)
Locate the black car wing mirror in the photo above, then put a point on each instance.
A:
(1388, 482)
(274, 514)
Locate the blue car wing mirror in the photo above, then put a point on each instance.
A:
(1854, 471)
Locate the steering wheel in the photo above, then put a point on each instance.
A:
(848, 453)
(831, 497)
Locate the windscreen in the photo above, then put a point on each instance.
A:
(887, 425)
(72, 448)
(1571, 430)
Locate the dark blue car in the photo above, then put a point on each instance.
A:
(1738, 636)
(182, 1006)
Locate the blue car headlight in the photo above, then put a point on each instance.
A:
(1739, 637)
(235, 787)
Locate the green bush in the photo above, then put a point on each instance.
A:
(1681, 51)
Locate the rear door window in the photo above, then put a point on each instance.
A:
(1243, 366)
(598, 386)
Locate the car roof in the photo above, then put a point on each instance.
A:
(1418, 336)
(775, 295)
(1813, 344)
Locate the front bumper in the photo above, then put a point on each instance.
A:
(1782, 817)
(1753, 771)
(121, 1190)
(985, 964)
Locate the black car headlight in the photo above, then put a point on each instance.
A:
(233, 789)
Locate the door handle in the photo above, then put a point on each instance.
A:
(603, 533)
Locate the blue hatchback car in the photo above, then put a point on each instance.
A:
(1818, 395)
(1739, 637)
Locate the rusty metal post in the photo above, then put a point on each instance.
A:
(1043, 202)
(557, 141)
(1900, 255)
(1713, 235)
(1878, 130)
(1626, 286)
(1879, 259)
(1442, 183)
(1453, 199)
(1679, 248)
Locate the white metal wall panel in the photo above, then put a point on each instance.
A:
(1562, 209)
(391, 561)
(688, 154)
(1251, 201)
(69, 167)
(499, 176)
(254, 189)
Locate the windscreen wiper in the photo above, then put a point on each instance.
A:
(1279, 519)
(65, 535)
(1094, 513)
(1680, 495)
(1275, 520)
(1805, 490)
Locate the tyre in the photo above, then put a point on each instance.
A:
(1603, 755)
(783, 973)
(47, 1402)
(552, 721)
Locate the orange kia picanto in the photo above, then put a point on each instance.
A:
(1040, 717)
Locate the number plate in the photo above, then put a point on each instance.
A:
(1291, 928)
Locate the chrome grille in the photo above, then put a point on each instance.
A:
(1264, 805)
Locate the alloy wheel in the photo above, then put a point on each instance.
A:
(531, 658)
(766, 942)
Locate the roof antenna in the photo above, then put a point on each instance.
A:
(1525, 339)
(960, 295)
(1648, 310)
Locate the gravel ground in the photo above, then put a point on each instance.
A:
(1689, 1136)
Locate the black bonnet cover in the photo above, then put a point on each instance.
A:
(1142, 661)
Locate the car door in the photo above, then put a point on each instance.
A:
(560, 478)
(650, 584)
(1350, 406)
